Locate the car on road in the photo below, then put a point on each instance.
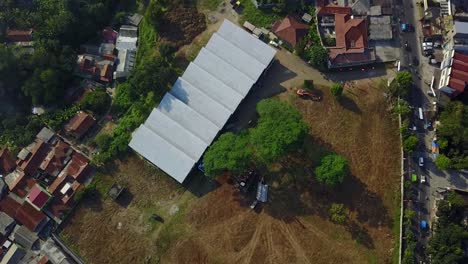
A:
(421, 162)
(407, 27)
(423, 179)
(415, 61)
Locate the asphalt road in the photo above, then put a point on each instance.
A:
(425, 199)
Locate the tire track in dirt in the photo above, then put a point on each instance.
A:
(249, 249)
(273, 256)
(300, 252)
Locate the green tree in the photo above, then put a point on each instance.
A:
(337, 213)
(402, 107)
(332, 169)
(443, 162)
(318, 57)
(410, 143)
(97, 101)
(229, 153)
(400, 86)
(280, 129)
(155, 12)
(409, 215)
(103, 141)
(456, 200)
(336, 89)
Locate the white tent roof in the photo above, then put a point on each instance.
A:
(178, 131)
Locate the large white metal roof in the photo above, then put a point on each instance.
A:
(178, 131)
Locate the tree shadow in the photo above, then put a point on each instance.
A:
(360, 235)
(125, 198)
(349, 104)
(199, 184)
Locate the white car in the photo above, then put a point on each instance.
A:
(274, 44)
(423, 179)
(421, 162)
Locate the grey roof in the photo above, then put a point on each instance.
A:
(190, 115)
(5, 223)
(380, 28)
(133, 19)
(128, 31)
(13, 255)
(361, 7)
(461, 27)
(45, 134)
(24, 237)
(375, 10)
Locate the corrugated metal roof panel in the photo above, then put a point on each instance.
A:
(209, 84)
(200, 102)
(188, 118)
(246, 42)
(162, 153)
(235, 56)
(224, 71)
(175, 134)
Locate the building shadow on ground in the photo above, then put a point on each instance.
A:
(356, 73)
(199, 184)
(347, 103)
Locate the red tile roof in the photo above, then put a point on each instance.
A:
(54, 161)
(457, 85)
(80, 124)
(327, 9)
(24, 213)
(106, 73)
(458, 74)
(32, 163)
(38, 197)
(14, 35)
(290, 30)
(7, 163)
(351, 40)
(28, 216)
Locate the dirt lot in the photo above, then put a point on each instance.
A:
(292, 228)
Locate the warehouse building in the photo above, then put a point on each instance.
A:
(191, 114)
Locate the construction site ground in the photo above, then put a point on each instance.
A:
(206, 223)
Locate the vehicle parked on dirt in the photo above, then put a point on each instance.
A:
(304, 94)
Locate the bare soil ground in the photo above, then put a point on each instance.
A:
(181, 25)
(293, 227)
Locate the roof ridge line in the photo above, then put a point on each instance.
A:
(239, 48)
(168, 141)
(204, 95)
(254, 81)
(221, 81)
(181, 124)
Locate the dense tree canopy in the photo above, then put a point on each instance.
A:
(280, 129)
(318, 57)
(229, 153)
(332, 169)
(337, 213)
(410, 143)
(400, 86)
(97, 101)
(453, 134)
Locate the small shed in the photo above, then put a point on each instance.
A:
(307, 18)
(45, 135)
(247, 25)
(115, 191)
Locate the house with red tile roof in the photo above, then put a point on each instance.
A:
(290, 30)
(31, 157)
(109, 35)
(19, 37)
(57, 158)
(38, 197)
(23, 213)
(70, 179)
(454, 73)
(79, 124)
(7, 163)
(351, 35)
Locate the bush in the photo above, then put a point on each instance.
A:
(103, 141)
(410, 143)
(318, 57)
(332, 170)
(336, 89)
(337, 213)
(443, 162)
(402, 107)
(308, 84)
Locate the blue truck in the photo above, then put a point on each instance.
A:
(407, 27)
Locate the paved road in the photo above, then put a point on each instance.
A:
(422, 74)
